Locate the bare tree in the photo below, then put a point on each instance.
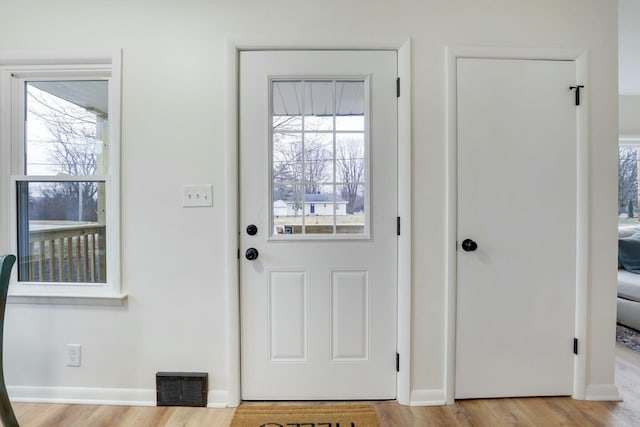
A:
(287, 170)
(350, 165)
(316, 160)
(627, 178)
(72, 149)
(298, 167)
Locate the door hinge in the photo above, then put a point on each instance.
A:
(575, 346)
(397, 362)
(238, 253)
(398, 225)
(398, 87)
(577, 89)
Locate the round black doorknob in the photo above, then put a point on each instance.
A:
(252, 230)
(469, 245)
(251, 254)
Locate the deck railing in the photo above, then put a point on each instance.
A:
(67, 253)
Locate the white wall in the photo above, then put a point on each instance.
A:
(630, 114)
(629, 47)
(173, 133)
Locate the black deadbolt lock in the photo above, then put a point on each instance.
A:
(252, 230)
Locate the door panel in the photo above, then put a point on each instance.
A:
(517, 201)
(318, 176)
(288, 311)
(349, 315)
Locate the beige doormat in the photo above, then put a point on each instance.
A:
(320, 415)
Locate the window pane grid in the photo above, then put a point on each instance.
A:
(325, 194)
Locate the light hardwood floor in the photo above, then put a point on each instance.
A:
(556, 411)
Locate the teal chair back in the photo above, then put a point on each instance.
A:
(6, 411)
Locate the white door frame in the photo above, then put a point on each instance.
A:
(234, 45)
(582, 188)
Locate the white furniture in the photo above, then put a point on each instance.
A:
(628, 289)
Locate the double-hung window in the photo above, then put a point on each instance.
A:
(63, 137)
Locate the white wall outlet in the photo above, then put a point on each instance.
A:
(73, 354)
(194, 195)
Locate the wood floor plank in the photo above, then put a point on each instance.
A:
(69, 415)
(533, 411)
(389, 415)
(148, 417)
(36, 414)
(104, 416)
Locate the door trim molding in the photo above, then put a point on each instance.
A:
(233, 47)
(580, 57)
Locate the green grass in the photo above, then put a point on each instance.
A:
(320, 219)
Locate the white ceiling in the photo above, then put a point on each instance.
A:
(629, 47)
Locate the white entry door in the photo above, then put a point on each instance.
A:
(318, 244)
(516, 256)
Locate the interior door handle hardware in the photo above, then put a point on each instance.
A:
(577, 89)
(469, 245)
(251, 254)
(252, 230)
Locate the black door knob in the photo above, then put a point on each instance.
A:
(469, 245)
(251, 254)
(252, 230)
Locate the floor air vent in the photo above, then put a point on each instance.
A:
(182, 388)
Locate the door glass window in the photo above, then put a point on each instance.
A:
(319, 151)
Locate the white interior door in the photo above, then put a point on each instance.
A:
(318, 244)
(517, 151)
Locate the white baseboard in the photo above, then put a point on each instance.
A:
(101, 396)
(428, 397)
(604, 392)
(218, 399)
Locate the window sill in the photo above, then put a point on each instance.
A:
(118, 300)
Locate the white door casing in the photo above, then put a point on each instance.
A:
(517, 198)
(318, 316)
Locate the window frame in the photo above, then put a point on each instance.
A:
(15, 69)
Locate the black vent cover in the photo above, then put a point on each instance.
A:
(182, 388)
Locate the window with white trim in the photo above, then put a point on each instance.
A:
(63, 191)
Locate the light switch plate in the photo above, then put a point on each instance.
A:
(73, 354)
(197, 195)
